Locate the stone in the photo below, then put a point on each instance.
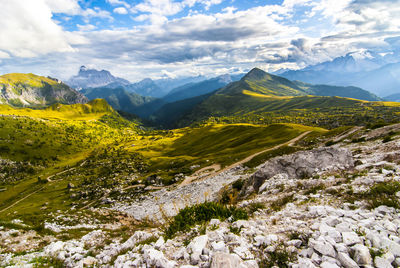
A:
(361, 255)
(323, 248)
(156, 258)
(351, 238)
(160, 242)
(335, 235)
(295, 243)
(392, 246)
(329, 265)
(382, 263)
(214, 222)
(89, 261)
(304, 263)
(225, 260)
(219, 246)
(341, 248)
(243, 252)
(346, 261)
(265, 240)
(251, 264)
(196, 248)
(299, 165)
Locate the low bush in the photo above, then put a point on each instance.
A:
(201, 213)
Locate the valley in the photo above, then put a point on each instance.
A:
(85, 185)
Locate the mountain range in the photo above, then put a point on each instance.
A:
(92, 78)
(371, 72)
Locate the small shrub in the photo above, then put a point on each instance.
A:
(279, 258)
(387, 139)
(202, 213)
(329, 143)
(253, 207)
(362, 139)
(376, 252)
(235, 230)
(278, 204)
(315, 189)
(148, 241)
(383, 193)
(237, 185)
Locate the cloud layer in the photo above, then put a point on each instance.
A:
(55, 37)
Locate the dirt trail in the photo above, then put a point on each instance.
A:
(205, 171)
(194, 177)
(25, 197)
(348, 133)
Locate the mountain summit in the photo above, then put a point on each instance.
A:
(88, 78)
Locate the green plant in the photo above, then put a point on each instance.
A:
(315, 189)
(235, 230)
(376, 252)
(202, 213)
(280, 258)
(237, 185)
(383, 193)
(151, 239)
(279, 203)
(253, 207)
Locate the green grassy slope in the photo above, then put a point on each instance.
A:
(20, 90)
(263, 98)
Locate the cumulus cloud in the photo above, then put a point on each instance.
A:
(120, 10)
(294, 34)
(27, 29)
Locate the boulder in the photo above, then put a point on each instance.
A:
(299, 165)
(361, 255)
(346, 261)
(351, 238)
(225, 260)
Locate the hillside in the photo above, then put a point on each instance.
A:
(260, 97)
(24, 90)
(122, 100)
(192, 90)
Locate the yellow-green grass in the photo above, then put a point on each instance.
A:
(27, 79)
(214, 144)
(93, 110)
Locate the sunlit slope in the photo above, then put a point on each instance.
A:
(214, 144)
(91, 110)
(20, 90)
(263, 98)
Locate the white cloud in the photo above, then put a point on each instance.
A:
(69, 7)
(27, 30)
(119, 2)
(86, 27)
(120, 10)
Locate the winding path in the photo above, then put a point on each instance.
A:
(198, 174)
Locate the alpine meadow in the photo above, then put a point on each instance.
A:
(200, 133)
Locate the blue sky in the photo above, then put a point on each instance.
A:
(154, 38)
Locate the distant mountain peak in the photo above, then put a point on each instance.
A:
(88, 78)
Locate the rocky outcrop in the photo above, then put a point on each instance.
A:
(299, 165)
(162, 204)
(21, 90)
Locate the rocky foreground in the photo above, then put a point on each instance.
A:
(335, 206)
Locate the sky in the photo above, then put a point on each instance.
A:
(135, 39)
